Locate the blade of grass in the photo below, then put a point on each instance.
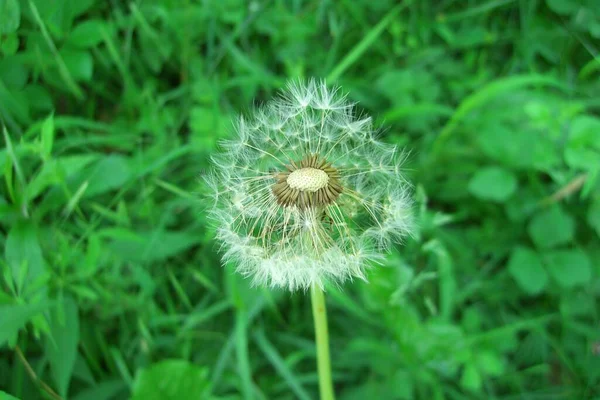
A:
(204, 280)
(121, 366)
(473, 11)
(74, 201)
(362, 46)
(227, 349)
(114, 54)
(179, 290)
(20, 176)
(279, 364)
(173, 189)
(343, 300)
(62, 67)
(197, 318)
(262, 74)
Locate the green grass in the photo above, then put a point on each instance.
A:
(111, 285)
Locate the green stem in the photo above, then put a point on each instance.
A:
(322, 338)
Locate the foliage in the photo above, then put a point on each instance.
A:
(111, 281)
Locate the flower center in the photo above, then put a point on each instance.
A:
(310, 183)
(308, 179)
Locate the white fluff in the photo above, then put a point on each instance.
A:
(292, 248)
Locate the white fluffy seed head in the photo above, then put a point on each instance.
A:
(306, 193)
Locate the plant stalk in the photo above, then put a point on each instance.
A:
(322, 339)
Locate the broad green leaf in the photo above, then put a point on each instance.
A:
(79, 7)
(4, 395)
(59, 15)
(491, 363)
(564, 7)
(551, 227)
(10, 16)
(23, 252)
(518, 148)
(493, 183)
(47, 136)
(87, 34)
(577, 303)
(109, 173)
(81, 370)
(57, 170)
(526, 268)
(485, 94)
(208, 125)
(106, 390)
(61, 347)
(593, 215)
(501, 143)
(14, 317)
(93, 252)
(5, 298)
(13, 72)
(400, 386)
(583, 147)
(594, 29)
(569, 268)
(10, 44)
(15, 103)
(38, 97)
(171, 380)
(520, 208)
(471, 378)
(79, 63)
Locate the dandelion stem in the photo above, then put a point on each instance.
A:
(322, 338)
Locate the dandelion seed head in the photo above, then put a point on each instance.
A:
(305, 192)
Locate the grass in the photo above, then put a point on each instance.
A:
(111, 285)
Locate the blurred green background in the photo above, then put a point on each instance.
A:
(111, 284)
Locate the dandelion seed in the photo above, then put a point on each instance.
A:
(306, 192)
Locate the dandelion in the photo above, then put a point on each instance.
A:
(306, 192)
